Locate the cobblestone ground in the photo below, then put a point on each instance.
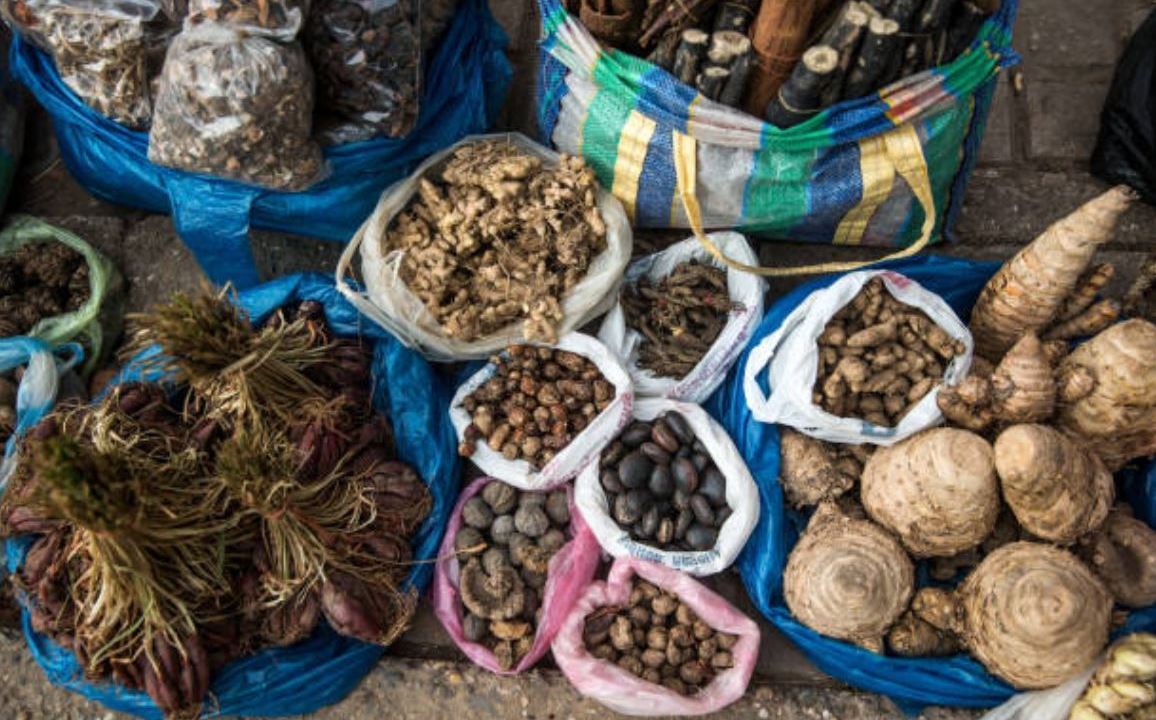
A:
(1033, 168)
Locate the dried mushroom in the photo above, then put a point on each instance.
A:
(497, 237)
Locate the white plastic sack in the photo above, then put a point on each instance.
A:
(38, 387)
(741, 492)
(1053, 704)
(790, 357)
(585, 447)
(745, 288)
(389, 303)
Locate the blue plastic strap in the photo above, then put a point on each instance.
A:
(212, 217)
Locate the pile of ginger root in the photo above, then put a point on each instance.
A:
(495, 236)
(1012, 505)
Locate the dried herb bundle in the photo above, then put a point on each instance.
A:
(679, 317)
(495, 237)
(182, 526)
(37, 281)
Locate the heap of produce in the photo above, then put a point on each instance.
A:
(786, 60)
(179, 527)
(663, 487)
(679, 317)
(536, 402)
(878, 357)
(1124, 685)
(659, 639)
(505, 545)
(1014, 503)
(9, 386)
(38, 281)
(495, 236)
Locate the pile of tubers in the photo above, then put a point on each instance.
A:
(663, 487)
(181, 525)
(39, 280)
(1014, 500)
(659, 639)
(679, 317)
(878, 357)
(536, 402)
(506, 542)
(495, 237)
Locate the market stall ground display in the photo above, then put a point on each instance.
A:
(701, 164)
(463, 84)
(350, 549)
(888, 650)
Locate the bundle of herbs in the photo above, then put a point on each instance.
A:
(39, 280)
(183, 525)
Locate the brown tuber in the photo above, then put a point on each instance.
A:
(1030, 289)
(1108, 392)
(936, 491)
(1057, 490)
(814, 471)
(1023, 387)
(1123, 554)
(848, 578)
(1034, 615)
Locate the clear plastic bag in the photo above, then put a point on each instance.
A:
(280, 19)
(238, 106)
(571, 569)
(100, 47)
(742, 497)
(622, 692)
(790, 358)
(367, 56)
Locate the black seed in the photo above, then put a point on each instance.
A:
(634, 470)
(701, 537)
(713, 486)
(664, 437)
(680, 426)
(702, 510)
(636, 434)
(610, 481)
(685, 476)
(661, 483)
(656, 454)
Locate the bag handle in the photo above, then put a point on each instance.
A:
(902, 150)
(212, 219)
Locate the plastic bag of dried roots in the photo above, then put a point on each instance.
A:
(238, 106)
(367, 56)
(281, 19)
(101, 49)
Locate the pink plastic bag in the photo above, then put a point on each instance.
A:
(571, 569)
(625, 693)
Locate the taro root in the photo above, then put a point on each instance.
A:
(848, 578)
(496, 237)
(814, 470)
(1123, 555)
(536, 402)
(1034, 615)
(1058, 490)
(238, 106)
(936, 491)
(662, 486)
(659, 639)
(878, 357)
(679, 317)
(501, 592)
(1023, 386)
(39, 280)
(367, 58)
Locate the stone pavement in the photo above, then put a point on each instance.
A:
(1033, 169)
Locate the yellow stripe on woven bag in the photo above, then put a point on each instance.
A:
(877, 177)
(902, 150)
(632, 144)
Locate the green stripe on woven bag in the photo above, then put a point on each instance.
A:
(777, 189)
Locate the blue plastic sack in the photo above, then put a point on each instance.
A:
(911, 682)
(36, 395)
(322, 670)
(463, 87)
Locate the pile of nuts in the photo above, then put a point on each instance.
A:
(537, 401)
(495, 237)
(659, 639)
(39, 280)
(506, 542)
(662, 486)
(878, 357)
(679, 317)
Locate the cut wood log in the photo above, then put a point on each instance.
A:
(802, 95)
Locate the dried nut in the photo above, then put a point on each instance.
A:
(494, 559)
(630, 664)
(664, 437)
(726, 641)
(605, 652)
(685, 475)
(474, 628)
(501, 497)
(713, 487)
(702, 631)
(657, 638)
(661, 485)
(468, 540)
(664, 605)
(610, 482)
(636, 434)
(701, 537)
(684, 615)
(681, 635)
(634, 470)
(650, 675)
(674, 653)
(694, 672)
(675, 684)
(509, 630)
(536, 580)
(702, 510)
(597, 627)
(552, 541)
(722, 660)
(531, 521)
(622, 634)
(502, 529)
(477, 514)
(640, 616)
(654, 453)
(652, 658)
(558, 507)
(707, 649)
